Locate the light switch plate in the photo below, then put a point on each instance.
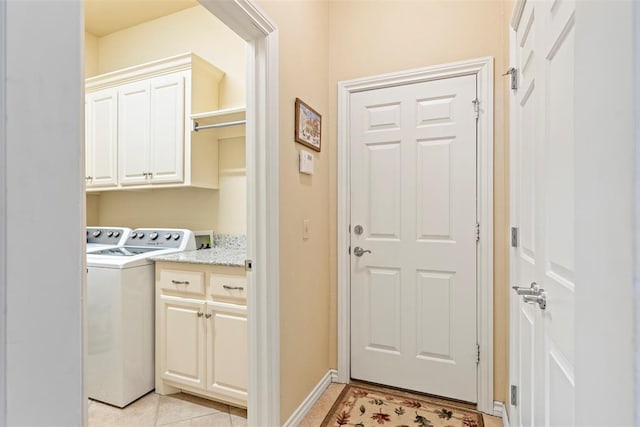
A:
(306, 162)
(306, 226)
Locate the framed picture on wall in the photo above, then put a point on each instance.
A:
(308, 125)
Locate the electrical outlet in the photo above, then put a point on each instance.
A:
(305, 229)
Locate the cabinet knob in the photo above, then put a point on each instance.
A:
(208, 315)
(200, 314)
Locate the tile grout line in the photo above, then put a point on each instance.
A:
(155, 416)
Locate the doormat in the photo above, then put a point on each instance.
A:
(364, 406)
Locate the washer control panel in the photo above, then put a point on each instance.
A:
(107, 235)
(161, 238)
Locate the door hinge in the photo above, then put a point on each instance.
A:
(477, 354)
(248, 265)
(514, 395)
(476, 107)
(477, 231)
(514, 237)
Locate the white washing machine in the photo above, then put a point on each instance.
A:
(105, 237)
(120, 310)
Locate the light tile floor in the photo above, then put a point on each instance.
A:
(176, 410)
(185, 410)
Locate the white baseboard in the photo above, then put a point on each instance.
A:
(298, 415)
(499, 410)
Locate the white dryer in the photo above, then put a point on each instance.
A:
(120, 310)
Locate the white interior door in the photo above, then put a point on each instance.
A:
(413, 205)
(542, 209)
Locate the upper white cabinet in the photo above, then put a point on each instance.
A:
(101, 139)
(150, 112)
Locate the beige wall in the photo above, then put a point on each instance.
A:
(90, 55)
(93, 209)
(191, 30)
(304, 264)
(374, 37)
(171, 207)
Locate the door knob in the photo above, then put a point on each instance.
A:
(358, 251)
(533, 290)
(540, 299)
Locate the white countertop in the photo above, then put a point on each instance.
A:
(214, 256)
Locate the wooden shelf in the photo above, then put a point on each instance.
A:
(218, 116)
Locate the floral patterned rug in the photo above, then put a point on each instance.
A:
(364, 406)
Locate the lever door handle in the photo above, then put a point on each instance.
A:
(540, 299)
(358, 251)
(533, 290)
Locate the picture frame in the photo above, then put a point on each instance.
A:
(308, 126)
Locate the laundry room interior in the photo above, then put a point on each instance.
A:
(165, 174)
(109, 47)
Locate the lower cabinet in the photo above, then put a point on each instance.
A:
(227, 338)
(201, 331)
(181, 337)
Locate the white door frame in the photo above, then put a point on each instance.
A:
(250, 23)
(483, 69)
(518, 9)
(3, 216)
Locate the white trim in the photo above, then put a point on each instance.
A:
(513, 298)
(183, 62)
(483, 68)
(499, 410)
(3, 216)
(262, 136)
(301, 411)
(636, 82)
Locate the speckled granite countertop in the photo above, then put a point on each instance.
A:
(228, 250)
(212, 256)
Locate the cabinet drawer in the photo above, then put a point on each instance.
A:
(189, 282)
(228, 286)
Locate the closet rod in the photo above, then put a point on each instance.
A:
(197, 127)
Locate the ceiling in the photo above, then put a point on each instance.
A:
(104, 17)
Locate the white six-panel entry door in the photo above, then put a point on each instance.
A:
(413, 236)
(542, 209)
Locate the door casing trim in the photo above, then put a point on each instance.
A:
(483, 69)
(247, 20)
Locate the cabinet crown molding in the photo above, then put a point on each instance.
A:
(172, 64)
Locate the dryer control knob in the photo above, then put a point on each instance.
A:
(153, 236)
(140, 235)
(109, 233)
(176, 236)
(134, 235)
(97, 233)
(116, 234)
(167, 236)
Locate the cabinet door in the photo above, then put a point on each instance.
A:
(167, 121)
(227, 361)
(101, 138)
(133, 133)
(181, 341)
